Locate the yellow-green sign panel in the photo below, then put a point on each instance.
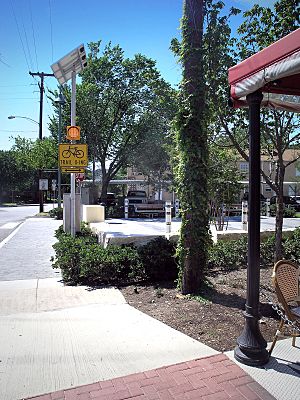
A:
(73, 155)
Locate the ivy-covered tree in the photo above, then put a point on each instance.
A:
(191, 164)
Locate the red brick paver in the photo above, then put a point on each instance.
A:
(209, 378)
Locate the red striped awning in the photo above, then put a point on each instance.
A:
(274, 70)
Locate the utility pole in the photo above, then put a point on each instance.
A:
(41, 86)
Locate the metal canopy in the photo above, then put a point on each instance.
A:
(75, 61)
(275, 71)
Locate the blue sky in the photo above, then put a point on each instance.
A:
(36, 33)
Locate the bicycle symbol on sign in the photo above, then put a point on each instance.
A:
(73, 151)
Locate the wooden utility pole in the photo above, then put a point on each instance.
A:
(41, 86)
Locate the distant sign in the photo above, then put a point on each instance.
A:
(79, 177)
(43, 184)
(73, 155)
(73, 132)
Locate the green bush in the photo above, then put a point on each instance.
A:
(228, 255)
(291, 246)
(82, 260)
(158, 258)
(288, 212)
(111, 265)
(56, 213)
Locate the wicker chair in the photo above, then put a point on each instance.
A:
(286, 282)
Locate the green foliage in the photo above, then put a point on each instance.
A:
(158, 258)
(83, 260)
(228, 255)
(56, 213)
(14, 175)
(232, 254)
(112, 265)
(121, 103)
(291, 247)
(68, 254)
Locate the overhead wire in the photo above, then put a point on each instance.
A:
(20, 37)
(26, 41)
(33, 35)
(51, 30)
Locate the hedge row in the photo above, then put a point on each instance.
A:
(83, 260)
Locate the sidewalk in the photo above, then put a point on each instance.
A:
(76, 344)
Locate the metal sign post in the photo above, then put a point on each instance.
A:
(73, 195)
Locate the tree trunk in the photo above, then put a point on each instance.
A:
(193, 152)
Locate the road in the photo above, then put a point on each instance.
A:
(11, 217)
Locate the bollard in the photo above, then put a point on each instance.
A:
(176, 208)
(126, 204)
(168, 217)
(268, 207)
(245, 215)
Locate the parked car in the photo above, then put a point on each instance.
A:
(246, 195)
(111, 200)
(137, 197)
(287, 201)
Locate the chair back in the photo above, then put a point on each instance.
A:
(286, 281)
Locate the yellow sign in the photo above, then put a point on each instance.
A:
(73, 170)
(73, 155)
(73, 132)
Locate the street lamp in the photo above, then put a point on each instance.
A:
(60, 100)
(18, 116)
(41, 200)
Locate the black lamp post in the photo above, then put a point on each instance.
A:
(251, 349)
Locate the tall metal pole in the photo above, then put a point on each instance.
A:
(73, 194)
(251, 349)
(59, 141)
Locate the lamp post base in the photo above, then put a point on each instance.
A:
(251, 348)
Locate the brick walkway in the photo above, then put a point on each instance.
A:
(210, 378)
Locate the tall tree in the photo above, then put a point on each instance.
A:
(279, 130)
(192, 159)
(119, 101)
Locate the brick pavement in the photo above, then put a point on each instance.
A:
(209, 378)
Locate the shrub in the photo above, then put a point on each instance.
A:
(56, 213)
(228, 255)
(83, 260)
(288, 212)
(267, 250)
(158, 258)
(291, 246)
(114, 264)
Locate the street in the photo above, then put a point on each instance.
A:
(11, 217)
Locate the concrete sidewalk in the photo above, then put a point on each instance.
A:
(54, 338)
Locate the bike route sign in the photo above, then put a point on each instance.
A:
(73, 155)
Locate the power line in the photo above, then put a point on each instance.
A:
(51, 35)
(26, 41)
(33, 34)
(15, 18)
(9, 131)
